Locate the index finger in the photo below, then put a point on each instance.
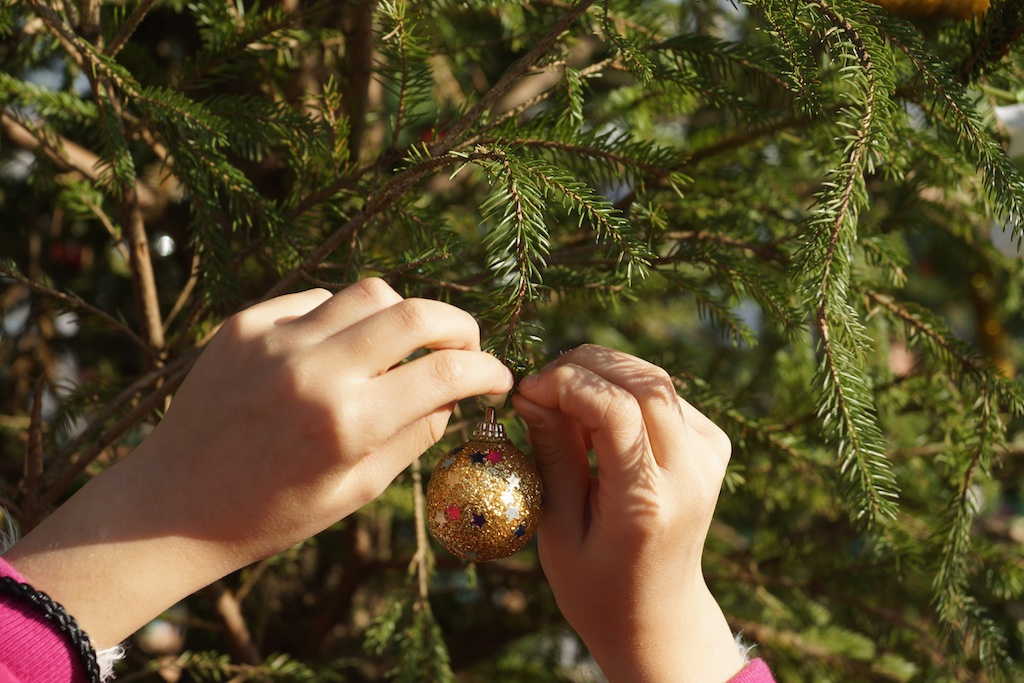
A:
(650, 386)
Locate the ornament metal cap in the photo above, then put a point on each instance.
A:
(490, 429)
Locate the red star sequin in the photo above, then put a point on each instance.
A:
(453, 512)
(494, 456)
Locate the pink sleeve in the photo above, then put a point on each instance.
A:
(754, 672)
(31, 649)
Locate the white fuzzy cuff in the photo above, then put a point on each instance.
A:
(106, 659)
(744, 648)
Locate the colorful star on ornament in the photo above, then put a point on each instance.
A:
(494, 456)
(478, 520)
(440, 519)
(453, 512)
(453, 478)
(507, 497)
(521, 531)
(449, 461)
(512, 513)
(478, 457)
(513, 481)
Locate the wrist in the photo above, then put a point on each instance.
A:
(687, 641)
(112, 556)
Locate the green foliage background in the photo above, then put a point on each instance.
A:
(796, 207)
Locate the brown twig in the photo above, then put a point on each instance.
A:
(143, 279)
(67, 155)
(171, 374)
(128, 27)
(421, 560)
(75, 302)
(230, 612)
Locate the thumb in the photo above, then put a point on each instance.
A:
(561, 457)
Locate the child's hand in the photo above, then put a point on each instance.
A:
(299, 411)
(622, 550)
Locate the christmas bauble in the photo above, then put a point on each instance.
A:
(484, 497)
(948, 9)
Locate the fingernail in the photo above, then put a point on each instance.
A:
(528, 382)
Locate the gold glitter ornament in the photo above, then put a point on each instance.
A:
(484, 497)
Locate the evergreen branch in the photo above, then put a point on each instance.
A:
(958, 611)
(522, 231)
(516, 111)
(846, 399)
(128, 27)
(800, 57)
(85, 53)
(653, 170)
(744, 138)
(518, 69)
(66, 155)
(1003, 180)
(375, 203)
(76, 302)
(636, 61)
(397, 14)
(960, 358)
(726, 52)
(765, 251)
(46, 104)
(842, 206)
(1006, 19)
(160, 383)
(859, 451)
(606, 221)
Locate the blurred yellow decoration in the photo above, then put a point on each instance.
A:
(940, 9)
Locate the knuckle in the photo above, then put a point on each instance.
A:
(376, 291)
(414, 315)
(436, 426)
(618, 410)
(660, 386)
(448, 369)
(320, 292)
(721, 443)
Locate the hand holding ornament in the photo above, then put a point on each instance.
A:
(622, 550)
(299, 411)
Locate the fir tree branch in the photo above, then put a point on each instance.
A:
(75, 456)
(519, 108)
(1003, 179)
(653, 170)
(521, 66)
(846, 399)
(77, 303)
(84, 54)
(67, 155)
(985, 52)
(128, 27)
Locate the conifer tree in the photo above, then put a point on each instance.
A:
(805, 210)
